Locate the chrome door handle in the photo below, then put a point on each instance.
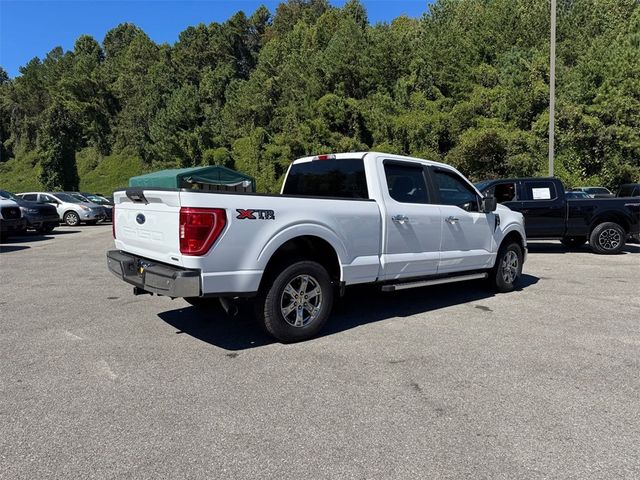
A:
(401, 219)
(452, 220)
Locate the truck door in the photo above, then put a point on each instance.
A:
(467, 234)
(543, 208)
(411, 223)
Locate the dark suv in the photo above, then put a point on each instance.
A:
(42, 217)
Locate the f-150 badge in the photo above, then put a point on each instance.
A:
(252, 214)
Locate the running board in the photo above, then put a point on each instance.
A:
(435, 281)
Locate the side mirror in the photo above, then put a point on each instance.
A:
(489, 204)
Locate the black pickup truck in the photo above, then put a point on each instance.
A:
(605, 222)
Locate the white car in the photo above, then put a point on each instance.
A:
(340, 220)
(71, 210)
(11, 219)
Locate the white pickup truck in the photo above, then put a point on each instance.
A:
(340, 220)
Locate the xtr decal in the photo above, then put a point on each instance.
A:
(253, 214)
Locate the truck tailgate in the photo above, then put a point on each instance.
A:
(149, 228)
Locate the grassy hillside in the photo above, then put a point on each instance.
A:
(97, 174)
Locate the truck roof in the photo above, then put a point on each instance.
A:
(389, 156)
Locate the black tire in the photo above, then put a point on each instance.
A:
(275, 299)
(508, 268)
(4, 236)
(573, 242)
(71, 218)
(44, 229)
(91, 222)
(607, 238)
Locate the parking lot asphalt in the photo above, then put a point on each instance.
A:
(441, 382)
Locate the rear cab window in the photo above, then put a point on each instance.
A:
(337, 178)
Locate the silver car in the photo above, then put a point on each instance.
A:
(71, 210)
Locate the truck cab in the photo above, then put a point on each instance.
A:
(605, 222)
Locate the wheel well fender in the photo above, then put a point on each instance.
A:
(609, 217)
(513, 236)
(303, 247)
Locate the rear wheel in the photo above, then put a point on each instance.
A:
(607, 238)
(573, 242)
(297, 304)
(508, 268)
(71, 218)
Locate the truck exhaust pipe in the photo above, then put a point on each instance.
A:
(229, 307)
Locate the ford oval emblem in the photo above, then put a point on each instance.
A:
(140, 218)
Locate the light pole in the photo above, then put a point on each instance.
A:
(552, 86)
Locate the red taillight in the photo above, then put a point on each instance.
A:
(113, 220)
(199, 228)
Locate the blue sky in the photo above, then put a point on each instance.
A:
(30, 28)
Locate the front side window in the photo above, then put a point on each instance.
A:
(406, 183)
(455, 191)
(32, 197)
(541, 190)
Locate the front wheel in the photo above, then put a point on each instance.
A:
(607, 238)
(44, 229)
(508, 268)
(297, 304)
(71, 218)
(573, 242)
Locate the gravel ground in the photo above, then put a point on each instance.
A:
(442, 382)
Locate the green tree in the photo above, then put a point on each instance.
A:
(57, 146)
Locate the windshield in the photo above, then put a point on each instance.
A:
(80, 197)
(597, 190)
(65, 197)
(7, 195)
(96, 199)
(482, 185)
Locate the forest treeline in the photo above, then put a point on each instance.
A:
(467, 83)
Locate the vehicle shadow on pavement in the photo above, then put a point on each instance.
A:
(361, 306)
(553, 247)
(213, 326)
(36, 237)
(12, 248)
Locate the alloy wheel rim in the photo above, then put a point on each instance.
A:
(301, 301)
(609, 239)
(72, 219)
(510, 266)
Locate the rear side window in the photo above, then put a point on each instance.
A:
(328, 178)
(540, 190)
(406, 183)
